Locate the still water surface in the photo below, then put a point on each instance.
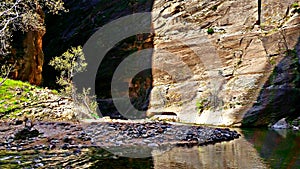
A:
(257, 148)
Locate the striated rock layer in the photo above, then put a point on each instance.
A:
(214, 60)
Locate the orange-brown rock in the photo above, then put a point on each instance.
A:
(30, 66)
(30, 56)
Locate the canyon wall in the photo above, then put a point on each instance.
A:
(213, 59)
(221, 62)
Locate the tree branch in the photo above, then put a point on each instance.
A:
(14, 6)
(7, 73)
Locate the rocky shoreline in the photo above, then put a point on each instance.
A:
(66, 135)
(42, 144)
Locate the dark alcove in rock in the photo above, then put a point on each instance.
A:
(138, 86)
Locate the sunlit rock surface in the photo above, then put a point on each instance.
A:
(217, 78)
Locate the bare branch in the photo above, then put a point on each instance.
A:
(14, 6)
(7, 73)
(7, 23)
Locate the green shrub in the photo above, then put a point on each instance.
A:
(5, 70)
(214, 8)
(201, 105)
(295, 5)
(210, 31)
(69, 64)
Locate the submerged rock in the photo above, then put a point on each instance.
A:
(296, 124)
(281, 124)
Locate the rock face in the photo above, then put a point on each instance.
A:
(80, 23)
(30, 66)
(29, 55)
(215, 62)
(213, 58)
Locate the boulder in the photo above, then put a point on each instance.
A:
(281, 124)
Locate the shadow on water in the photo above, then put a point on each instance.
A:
(115, 162)
(279, 149)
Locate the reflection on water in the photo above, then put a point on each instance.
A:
(257, 148)
(234, 154)
(280, 149)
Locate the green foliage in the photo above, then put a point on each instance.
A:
(295, 5)
(214, 8)
(272, 61)
(5, 69)
(69, 64)
(88, 102)
(21, 15)
(291, 52)
(210, 31)
(13, 94)
(201, 105)
(296, 71)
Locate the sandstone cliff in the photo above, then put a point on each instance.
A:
(213, 59)
(218, 62)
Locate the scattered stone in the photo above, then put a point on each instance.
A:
(153, 145)
(75, 137)
(39, 165)
(18, 122)
(67, 139)
(296, 128)
(65, 146)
